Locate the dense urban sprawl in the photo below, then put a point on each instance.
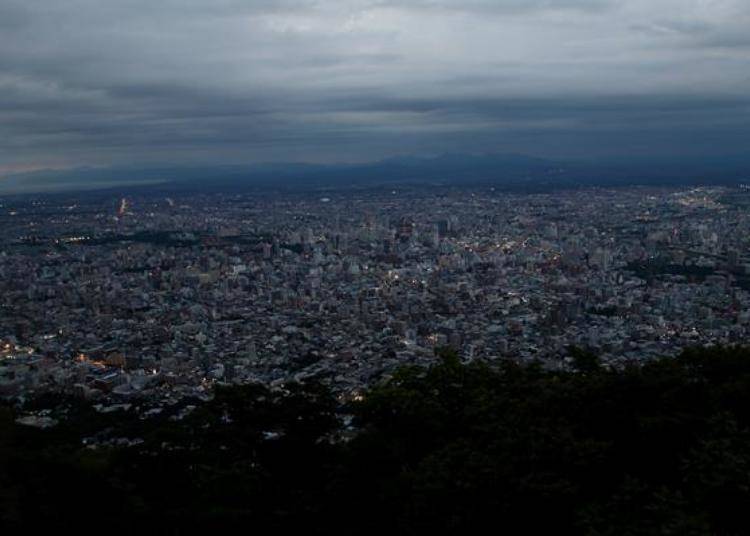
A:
(150, 301)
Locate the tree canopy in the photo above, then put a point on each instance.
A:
(661, 448)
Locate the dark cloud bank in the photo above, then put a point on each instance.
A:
(134, 83)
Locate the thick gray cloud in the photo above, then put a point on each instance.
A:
(107, 82)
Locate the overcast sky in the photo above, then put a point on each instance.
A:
(112, 82)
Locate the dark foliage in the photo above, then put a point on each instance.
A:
(659, 449)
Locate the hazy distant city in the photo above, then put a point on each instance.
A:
(152, 301)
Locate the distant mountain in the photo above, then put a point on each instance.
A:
(502, 170)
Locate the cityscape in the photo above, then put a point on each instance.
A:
(152, 301)
(411, 267)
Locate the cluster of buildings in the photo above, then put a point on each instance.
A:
(154, 300)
